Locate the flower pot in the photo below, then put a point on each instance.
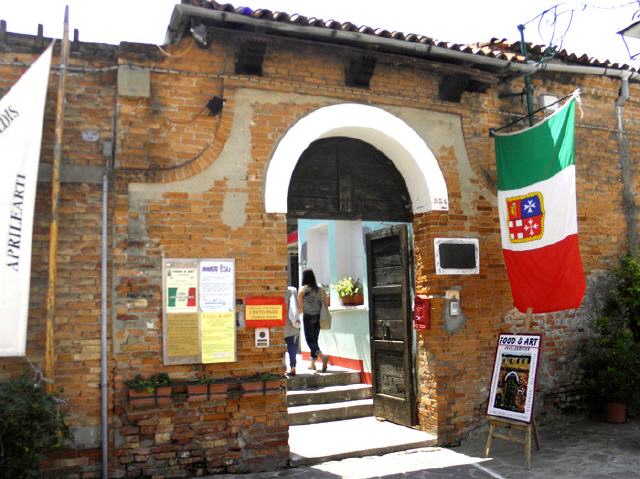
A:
(163, 394)
(272, 386)
(141, 398)
(616, 412)
(218, 390)
(355, 300)
(253, 388)
(197, 392)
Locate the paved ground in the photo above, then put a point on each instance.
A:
(572, 448)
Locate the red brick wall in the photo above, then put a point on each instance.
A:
(168, 137)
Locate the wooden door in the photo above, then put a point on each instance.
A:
(390, 325)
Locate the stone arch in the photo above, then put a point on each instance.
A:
(388, 133)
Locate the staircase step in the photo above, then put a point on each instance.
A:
(315, 413)
(329, 394)
(317, 380)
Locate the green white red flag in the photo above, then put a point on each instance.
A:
(537, 207)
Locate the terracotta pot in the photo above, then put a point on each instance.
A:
(253, 388)
(355, 300)
(197, 392)
(164, 394)
(141, 398)
(218, 390)
(616, 412)
(272, 386)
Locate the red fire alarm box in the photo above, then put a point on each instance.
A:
(422, 312)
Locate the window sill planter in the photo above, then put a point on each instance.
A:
(354, 300)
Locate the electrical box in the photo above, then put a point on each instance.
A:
(262, 337)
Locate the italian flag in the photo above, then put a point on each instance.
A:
(537, 206)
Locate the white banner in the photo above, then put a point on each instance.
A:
(21, 118)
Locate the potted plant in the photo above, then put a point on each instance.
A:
(611, 361)
(146, 392)
(349, 291)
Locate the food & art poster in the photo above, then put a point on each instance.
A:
(181, 290)
(514, 377)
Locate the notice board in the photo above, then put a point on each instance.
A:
(198, 310)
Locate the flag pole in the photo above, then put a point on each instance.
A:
(49, 354)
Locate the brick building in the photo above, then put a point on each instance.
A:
(185, 183)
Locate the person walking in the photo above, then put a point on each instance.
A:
(310, 299)
(292, 328)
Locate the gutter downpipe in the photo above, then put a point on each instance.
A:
(104, 396)
(628, 200)
(183, 13)
(104, 298)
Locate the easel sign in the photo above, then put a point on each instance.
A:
(514, 377)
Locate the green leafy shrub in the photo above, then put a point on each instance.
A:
(611, 359)
(611, 362)
(31, 426)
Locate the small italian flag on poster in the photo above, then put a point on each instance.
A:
(537, 207)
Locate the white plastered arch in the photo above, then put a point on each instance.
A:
(388, 133)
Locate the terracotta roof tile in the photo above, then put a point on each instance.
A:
(494, 48)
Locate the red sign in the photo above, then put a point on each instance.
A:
(264, 311)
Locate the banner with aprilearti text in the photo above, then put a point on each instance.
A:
(21, 119)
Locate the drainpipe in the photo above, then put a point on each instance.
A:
(629, 205)
(104, 396)
(104, 297)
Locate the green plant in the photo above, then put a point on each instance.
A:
(611, 361)
(31, 426)
(627, 292)
(348, 287)
(138, 383)
(203, 379)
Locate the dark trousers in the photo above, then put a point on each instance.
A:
(292, 349)
(311, 324)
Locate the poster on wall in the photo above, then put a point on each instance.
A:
(217, 285)
(198, 314)
(181, 286)
(514, 377)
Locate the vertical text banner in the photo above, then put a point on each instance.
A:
(21, 119)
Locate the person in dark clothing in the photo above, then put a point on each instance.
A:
(310, 299)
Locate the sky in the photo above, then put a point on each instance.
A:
(591, 28)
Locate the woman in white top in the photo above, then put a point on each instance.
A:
(292, 328)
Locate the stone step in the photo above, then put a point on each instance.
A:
(315, 413)
(318, 380)
(333, 441)
(329, 394)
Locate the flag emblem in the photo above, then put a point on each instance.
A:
(525, 217)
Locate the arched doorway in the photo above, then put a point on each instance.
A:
(355, 163)
(345, 178)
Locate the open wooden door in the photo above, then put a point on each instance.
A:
(390, 325)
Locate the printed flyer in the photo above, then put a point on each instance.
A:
(181, 290)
